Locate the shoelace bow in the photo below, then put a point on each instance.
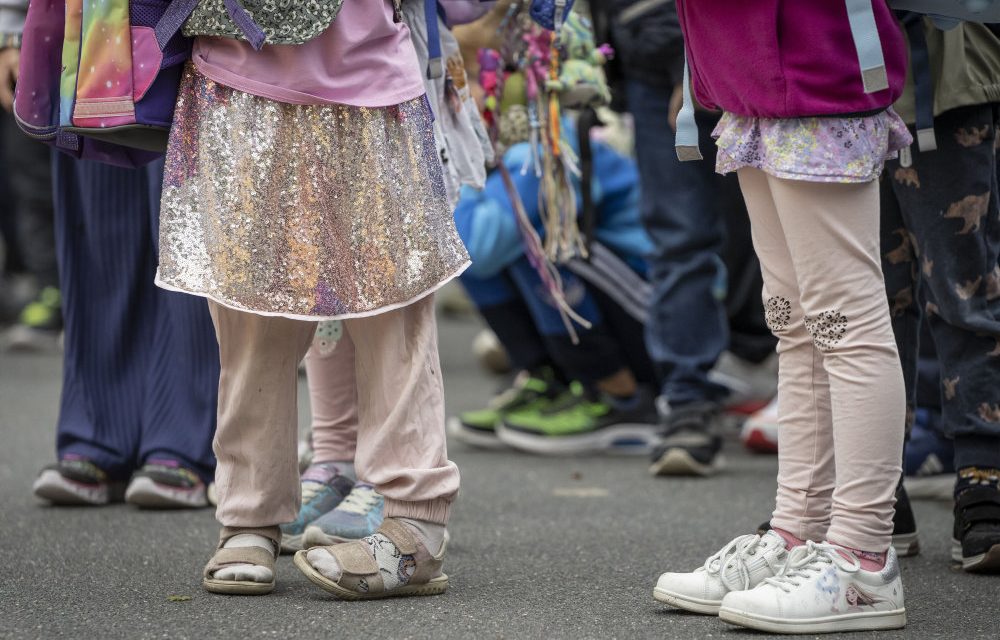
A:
(359, 501)
(807, 560)
(734, 554)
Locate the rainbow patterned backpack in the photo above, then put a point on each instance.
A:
(95, 83)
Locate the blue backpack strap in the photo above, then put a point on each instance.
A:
(686, 138)
(868, 45)
(435, 65)
(180, 10)
(172, 20)
(923, 82)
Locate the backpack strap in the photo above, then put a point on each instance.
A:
(180, 10)
(435, 65)
(923, 82)
(868, 45)
(686, 137)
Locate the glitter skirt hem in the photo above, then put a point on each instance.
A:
(291, 316)
(303, 211)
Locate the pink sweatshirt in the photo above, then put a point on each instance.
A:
(364, 59)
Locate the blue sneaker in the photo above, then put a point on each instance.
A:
(929, 462)
(359, 515)
(323, 488)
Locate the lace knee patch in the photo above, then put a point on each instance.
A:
(827, 329)
(777, 313)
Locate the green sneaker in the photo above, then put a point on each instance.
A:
(43, 312)
(531, 391)
(584, 422)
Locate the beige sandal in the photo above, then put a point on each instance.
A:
(241, 555)
(404, 566)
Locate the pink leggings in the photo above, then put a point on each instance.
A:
(840, 392)
(386, 391)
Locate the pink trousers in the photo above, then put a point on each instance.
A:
(840, 391)
(388, 384)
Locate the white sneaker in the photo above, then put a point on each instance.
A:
(760, 431)
(821, 591)
(742, 564)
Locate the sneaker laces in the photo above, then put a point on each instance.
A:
(360, 500)
(309, 490)
(734, 554)
(518, 392)
(809, 559)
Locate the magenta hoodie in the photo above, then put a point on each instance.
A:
(785, 58)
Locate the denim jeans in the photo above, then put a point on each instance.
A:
(941, 245)
(683, 210)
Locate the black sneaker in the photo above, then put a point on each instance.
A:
(77, 481)
(976, 539)
(690, 446)
(904, 526)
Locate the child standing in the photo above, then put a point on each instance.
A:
(336, 504)
(303, 184)
(808, 143)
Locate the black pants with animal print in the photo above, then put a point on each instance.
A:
(941, 244)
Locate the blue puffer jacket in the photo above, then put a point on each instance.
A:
(485, 219)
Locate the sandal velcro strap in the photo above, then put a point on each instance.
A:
(271, 533)
(354, 558)
(399, 535)
(239, 555)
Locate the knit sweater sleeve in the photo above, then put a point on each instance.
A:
(12, 14)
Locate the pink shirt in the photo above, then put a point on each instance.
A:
(364, 60)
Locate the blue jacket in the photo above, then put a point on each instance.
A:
(485, 219)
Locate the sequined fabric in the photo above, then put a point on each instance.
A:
(838, 149)
(311, 212)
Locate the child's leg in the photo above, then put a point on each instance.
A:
(330, 477)
(401, 437)
(833, 239)
(402, 451)
(257, 475)
(805, 432)
(333, 393)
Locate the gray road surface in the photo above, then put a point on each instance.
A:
(542, 548)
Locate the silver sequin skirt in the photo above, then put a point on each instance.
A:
(311, 212)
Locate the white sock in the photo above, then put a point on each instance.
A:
(246, 572)
(430, 534)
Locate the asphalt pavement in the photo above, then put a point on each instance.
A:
(541, 547)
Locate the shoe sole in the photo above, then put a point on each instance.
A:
(988, 562)
(473, 437)
(756, 440)
(237, 587)
(60, 491)
(625, 438)
(678, 462)
(435, 587)
(864, 621)
(931, 487)
(680, 601)
(906, 545)
(145, 493)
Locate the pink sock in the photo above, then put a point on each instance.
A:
(870, 560)
(790, 540)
